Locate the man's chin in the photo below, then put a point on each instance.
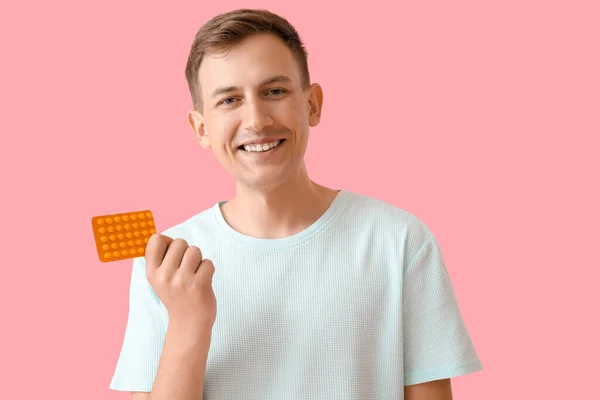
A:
(264, 180)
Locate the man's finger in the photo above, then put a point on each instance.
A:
(205, 273)
(191, 261)
(175, 252)
(155, 250)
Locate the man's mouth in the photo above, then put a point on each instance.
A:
(263, 147)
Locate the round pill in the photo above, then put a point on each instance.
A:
(145, 232)
(109, 220)
(106, 255)
(104, 238)
(105, 247)
(146, 240)
(152, 231)
(132, 251)
(137, 234)
(138, 242)
(124, 253)
(127, 226)
(129, 234)
(141, 215)
(125, 218)
(133, 217)
(140, 250)
(123, 244)
(111, 229)
(149, 214)
(130, 243)
(143, 224)
(102, 230)
(114, 245)
(112, 237)
(119, 228)
(116, 254)
(121, 236)
(117, 219)
(100, 221)
(136, 225)
(150, 223)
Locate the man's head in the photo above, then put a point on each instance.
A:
(249, 80)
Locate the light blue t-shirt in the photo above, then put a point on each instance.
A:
(356, 306)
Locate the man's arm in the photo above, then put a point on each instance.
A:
(434, 390)
(182, 280)
(182, 365)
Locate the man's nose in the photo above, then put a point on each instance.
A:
(256, 117)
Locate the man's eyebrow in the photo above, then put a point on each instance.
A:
(273, 79)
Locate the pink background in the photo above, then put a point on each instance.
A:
(481, 119)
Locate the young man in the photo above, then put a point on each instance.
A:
(290, 290)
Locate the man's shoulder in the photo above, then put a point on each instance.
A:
(192, 226)
(367, 207)
(386, 220)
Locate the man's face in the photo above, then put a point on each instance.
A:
(254, 93)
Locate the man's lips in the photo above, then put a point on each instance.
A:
(251, 148)
(260, 141)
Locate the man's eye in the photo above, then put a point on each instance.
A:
(227, 101)
(277, 91)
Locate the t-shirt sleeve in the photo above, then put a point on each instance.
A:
(436, 341)
(144, 335)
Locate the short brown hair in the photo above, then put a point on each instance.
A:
(223, 32)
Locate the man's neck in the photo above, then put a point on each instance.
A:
(277, 212)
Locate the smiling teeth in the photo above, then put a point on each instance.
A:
(261, 147)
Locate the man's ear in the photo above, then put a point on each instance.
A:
(196, 122)
(315, 104)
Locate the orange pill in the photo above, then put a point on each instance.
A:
(109, 223)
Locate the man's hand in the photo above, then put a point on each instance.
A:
(182, 280)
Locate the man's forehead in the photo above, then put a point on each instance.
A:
(248, 64)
